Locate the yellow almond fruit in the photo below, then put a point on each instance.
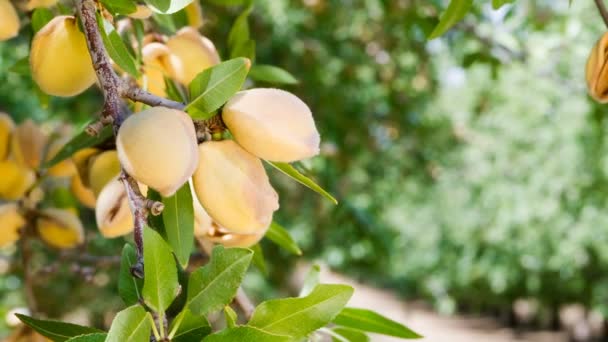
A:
(596, 72)
(202, 220)
(60, 60)
(272, 124)
(81, 160)
(11, 223)
(9, 20)
(103, 167)
(112, 213)
(191, 53)
(15, 180)
(142, 12)
(64, 168)
(218, 235)
(233, 187)
(155, 68)
(82, 193)
(33, 4)
(194, 13)
(158, 147)
(60, 228)
(28, 143)
(7, 125)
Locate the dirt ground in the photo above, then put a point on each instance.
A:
(433, 326)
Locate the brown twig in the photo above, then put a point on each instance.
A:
(601, 7)
(26, 257)
(244, 303)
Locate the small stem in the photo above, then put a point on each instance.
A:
(139, 208)
(140, 95)
(244, 303)
(601, 7)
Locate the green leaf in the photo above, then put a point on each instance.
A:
(174, 91)
(246, 334)
(280, 236)
(160, 272)
(300, 178)
(99, 337)
(132, 324)
(80, 141)
(351, 335)
(55, 330)
(230, 316)
(455, 12)
(496, 4)
(214, 285)
(116, 47)
(40, 17)
(258, 258)
(370, 321)
(271, 74)
(247, 50)
(156, 222)
(239, 33)
(119, 6)
(129, 287)
(216, 85)
(311, 280)
(187, 327)
(298, 317)
(21, 67)
(168, 6)
(178, 218)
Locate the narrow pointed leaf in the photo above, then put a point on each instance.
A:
(351, 335)
(370, 321)
(300, 178)
(168, 6)
(311, 281)
(258, 258)
(271, 74)
(214, 285)
(216, 85)
(452, 15)
(191, 327)
(80, 141)
(100, 337)
(298, 317)
(178, 219)
(129, 287)
(160, 272)
(55, 330)
(246, 334)
(279, 235)
(230, 316)
(131, 324)
(116, 47)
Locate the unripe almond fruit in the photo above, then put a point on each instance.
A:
(64, 168)
(233, 187)
(9, 20)
(15, 180)
(60, 60)
(155, 68)
(82, 159)
(103, 168)
(596, 72)
(33, 4)
(272, 124)
(7, 125)
(12, 222)
(112, 212)
(82, 193)
(191, 53)
(60, 228)
(158, 147)
(142, 12)
(194, 13)
(27, 144)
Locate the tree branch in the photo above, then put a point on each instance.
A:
(114, 111)
(601, 7)
(139, 95)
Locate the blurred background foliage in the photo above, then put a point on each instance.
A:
(470, 169)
